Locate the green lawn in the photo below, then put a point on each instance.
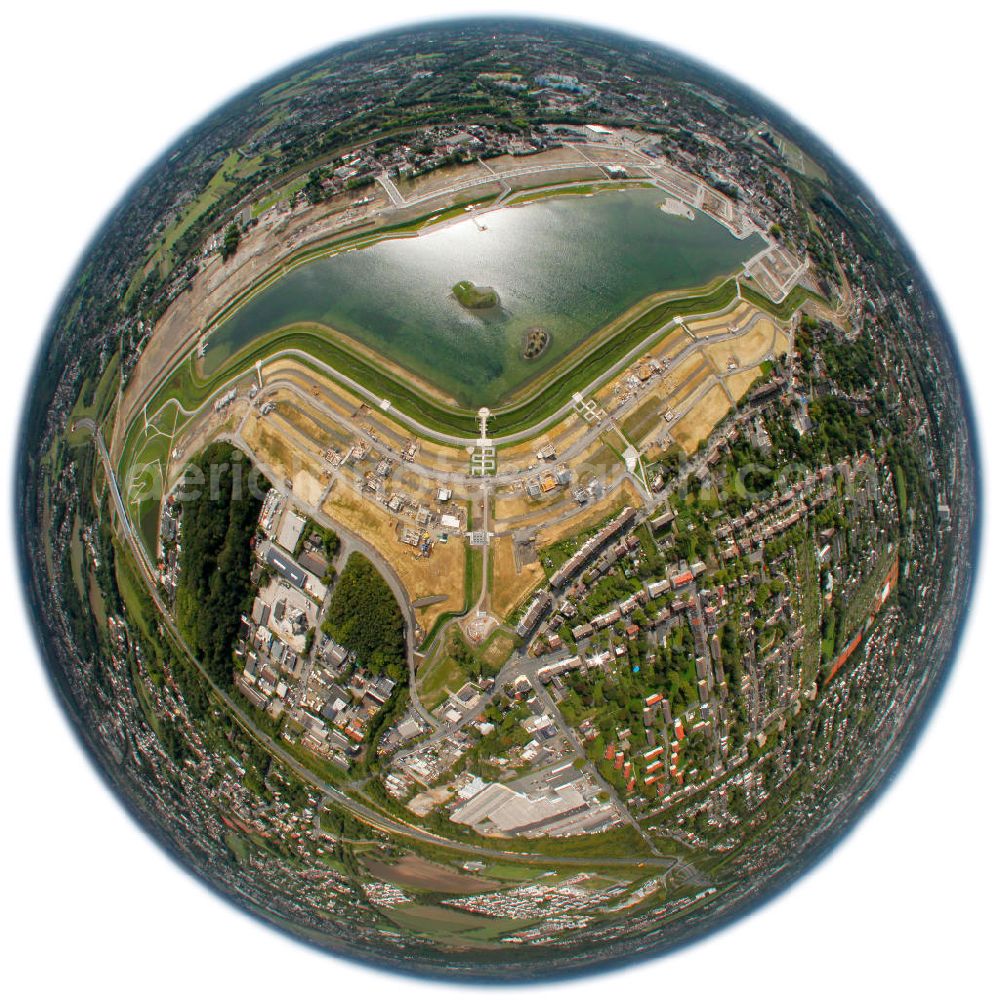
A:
(508, 872)
(452, 924)
(147, 446)
(223, 181)
(94, 399)
(281, 194)
(643, 419)
(133, 595)
(859, 605)
(143, 477)
(76, 556)
(445, 674)
(239, 847)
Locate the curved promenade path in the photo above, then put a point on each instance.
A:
(382, 405)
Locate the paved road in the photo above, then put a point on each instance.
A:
(454, 440)
(462, 442)
(466, 479)
(359, 809)
(649, 165)
(354, 543)
(391, 190)
(529, 667)
(85, 423)
(569, 734)
(483, 604)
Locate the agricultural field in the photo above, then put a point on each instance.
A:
(414, 872)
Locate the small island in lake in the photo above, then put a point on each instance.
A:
(535, 342)
(475, 296)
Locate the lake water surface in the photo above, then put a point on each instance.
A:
(569, 265)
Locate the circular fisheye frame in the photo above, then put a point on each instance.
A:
(497, 499)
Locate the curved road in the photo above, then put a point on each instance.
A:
(355, 543)
(456, 441)
(369, 815)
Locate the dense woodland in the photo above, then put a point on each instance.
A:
(365, 618)
(217, 529)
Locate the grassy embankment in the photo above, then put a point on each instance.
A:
(191, 391)
(445, 672)
(574, 373)
(455, 661)
(576, 189)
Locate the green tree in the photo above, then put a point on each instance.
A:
(230, 241)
